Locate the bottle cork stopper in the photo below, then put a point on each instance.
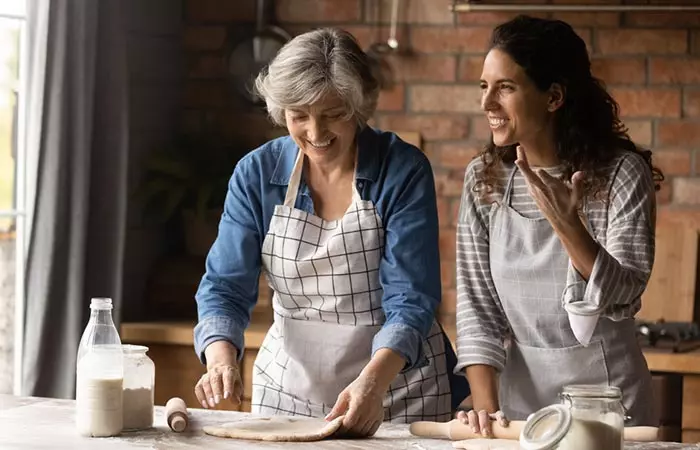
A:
(176, 414)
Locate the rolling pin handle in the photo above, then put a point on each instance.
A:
(176, 414)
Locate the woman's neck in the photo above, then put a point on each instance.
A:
(541, 152)
(333, 171)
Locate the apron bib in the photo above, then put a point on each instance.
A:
(529, 267)
(327, 306)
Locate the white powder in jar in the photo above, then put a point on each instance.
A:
(591, 435)
(138, 408)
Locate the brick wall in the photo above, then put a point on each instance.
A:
(651, 62)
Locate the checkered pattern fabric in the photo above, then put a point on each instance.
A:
(328, 271)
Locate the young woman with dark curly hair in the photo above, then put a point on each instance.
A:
(555, 238)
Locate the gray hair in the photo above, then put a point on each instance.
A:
(314, 64)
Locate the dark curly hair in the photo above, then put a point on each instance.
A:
(588, 130)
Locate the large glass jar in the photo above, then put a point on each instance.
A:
(139, 384)
(590, 417)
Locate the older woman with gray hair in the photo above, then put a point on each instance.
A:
(343, 220)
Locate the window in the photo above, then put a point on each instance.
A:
(12, 20)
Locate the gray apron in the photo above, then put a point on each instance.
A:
(328, 307)
(529, 266)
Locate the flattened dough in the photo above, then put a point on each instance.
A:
(487, 444)
(277, 428)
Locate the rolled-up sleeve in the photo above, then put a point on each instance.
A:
(228, 290)
(623, 265)
(481, 323)
(410, 268)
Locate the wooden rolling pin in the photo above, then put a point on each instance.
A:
(457, 431)
(176, 414)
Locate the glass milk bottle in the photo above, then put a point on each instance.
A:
(100, 374)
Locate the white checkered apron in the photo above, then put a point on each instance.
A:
(529, 267)
(328, 307)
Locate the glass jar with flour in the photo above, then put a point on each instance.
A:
(139, 381)
(99, 374)
(591, 417)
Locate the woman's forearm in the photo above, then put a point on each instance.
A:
(383, 368)
(483, 383)
(579, 245)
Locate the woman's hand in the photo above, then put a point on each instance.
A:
(558, 201)
(362, 404)
(223, 377)
(480, 422)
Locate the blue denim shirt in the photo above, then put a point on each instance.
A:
(395, 176)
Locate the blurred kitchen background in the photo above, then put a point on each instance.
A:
(188, 119)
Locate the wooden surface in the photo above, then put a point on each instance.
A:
(35, 423)
(670, 294)
(181, 332)
(691, 404)
(665, 361)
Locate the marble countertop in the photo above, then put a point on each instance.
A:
(40, 423)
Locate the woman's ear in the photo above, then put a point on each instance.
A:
(557, 95)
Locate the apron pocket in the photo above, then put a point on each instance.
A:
(534, 377)
(323, 357)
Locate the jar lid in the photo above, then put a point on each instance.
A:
(591, 391)
(130, 349)
(546, 428)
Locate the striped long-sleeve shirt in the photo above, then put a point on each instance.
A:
(623, 225)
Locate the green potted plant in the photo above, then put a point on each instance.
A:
(188, 181)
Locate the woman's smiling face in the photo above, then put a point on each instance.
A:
(517, 111)
(323, 131)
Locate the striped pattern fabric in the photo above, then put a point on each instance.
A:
(623, 225)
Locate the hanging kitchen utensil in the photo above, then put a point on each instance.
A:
(378, 51)
(391, 44)
(251, 55)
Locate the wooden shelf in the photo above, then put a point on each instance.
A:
(181, 333)
(682, 363)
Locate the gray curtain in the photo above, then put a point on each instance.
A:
(76, 245)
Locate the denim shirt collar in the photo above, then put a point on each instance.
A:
(367, 167)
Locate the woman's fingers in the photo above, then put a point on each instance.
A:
(484, 423)
(480, 421)
(208, 394)
(500, 417)
(462, 417)
(199, 392)
(217, 385)
(473, 420)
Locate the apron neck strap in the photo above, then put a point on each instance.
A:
(508, 193)
(295, 181)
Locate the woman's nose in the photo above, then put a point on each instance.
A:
(488, 101)
(316, 130)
